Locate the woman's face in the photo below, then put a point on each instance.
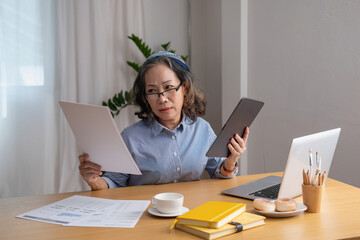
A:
(167, 106)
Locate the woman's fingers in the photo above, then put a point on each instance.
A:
(88, 169)
(88, 164)
(90, 174)
(246, 134)
(238, 143)
(237, 147)
(83, 157)
(234, 154)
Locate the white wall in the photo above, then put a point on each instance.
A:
(304, 62)
(230, 56)
(206, 55)
(166, 21)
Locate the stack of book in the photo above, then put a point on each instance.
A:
(217, 219)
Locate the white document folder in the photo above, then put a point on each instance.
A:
(96, 134)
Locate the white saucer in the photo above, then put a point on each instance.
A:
(299, 209)
(155, 212)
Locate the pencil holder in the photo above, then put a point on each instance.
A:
(312, 197)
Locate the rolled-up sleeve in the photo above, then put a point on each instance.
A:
(213, 167)
(115, 180)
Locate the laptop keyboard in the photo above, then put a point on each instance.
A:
(270, 192)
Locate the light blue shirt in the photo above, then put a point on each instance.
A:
(165, 156)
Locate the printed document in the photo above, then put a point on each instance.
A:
(90, 212)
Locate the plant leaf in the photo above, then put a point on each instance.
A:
(104, 104)
(165, 46)
(121, 97)
(134, 65)
(127, 96)
(117, 103)
(144, 49)
(112, 106)
(185, 58)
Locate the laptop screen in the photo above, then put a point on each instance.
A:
(324, 143)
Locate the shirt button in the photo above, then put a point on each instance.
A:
(175, 153)
(173, 137)
(178, 169)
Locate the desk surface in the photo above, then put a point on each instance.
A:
(339, 217)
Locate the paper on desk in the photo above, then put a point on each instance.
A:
(67, 210)
(123, 214)
(90, 211)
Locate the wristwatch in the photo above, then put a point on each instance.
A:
(227, 170)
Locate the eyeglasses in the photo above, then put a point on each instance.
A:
(167, 93)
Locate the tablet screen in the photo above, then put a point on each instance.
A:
(242, 117)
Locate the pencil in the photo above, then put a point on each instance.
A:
(304, 176)
(316, 175)
(314, 179)
(323, 178)
(308, 177)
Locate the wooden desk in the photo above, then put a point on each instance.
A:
(340, 216)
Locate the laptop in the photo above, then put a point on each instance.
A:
(289, 186)
(243, 115)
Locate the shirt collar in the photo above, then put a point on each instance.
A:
(156, 127)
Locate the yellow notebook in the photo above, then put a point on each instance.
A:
(212, 214)
(247, 220)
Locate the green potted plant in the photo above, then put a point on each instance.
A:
(123, 98)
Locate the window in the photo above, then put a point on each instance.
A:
(21, 47)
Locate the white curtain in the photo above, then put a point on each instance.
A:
(50, 51)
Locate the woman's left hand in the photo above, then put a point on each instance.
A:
(236, 146)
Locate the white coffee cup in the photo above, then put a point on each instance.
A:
(168, 202)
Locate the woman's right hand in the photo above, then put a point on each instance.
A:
(91, 173)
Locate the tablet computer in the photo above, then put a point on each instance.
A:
(243, 115)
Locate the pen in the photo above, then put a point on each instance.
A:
(172, 226)
(318, 161)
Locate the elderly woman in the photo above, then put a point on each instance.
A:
(170, 142)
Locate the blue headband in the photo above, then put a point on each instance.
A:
(171, 55)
